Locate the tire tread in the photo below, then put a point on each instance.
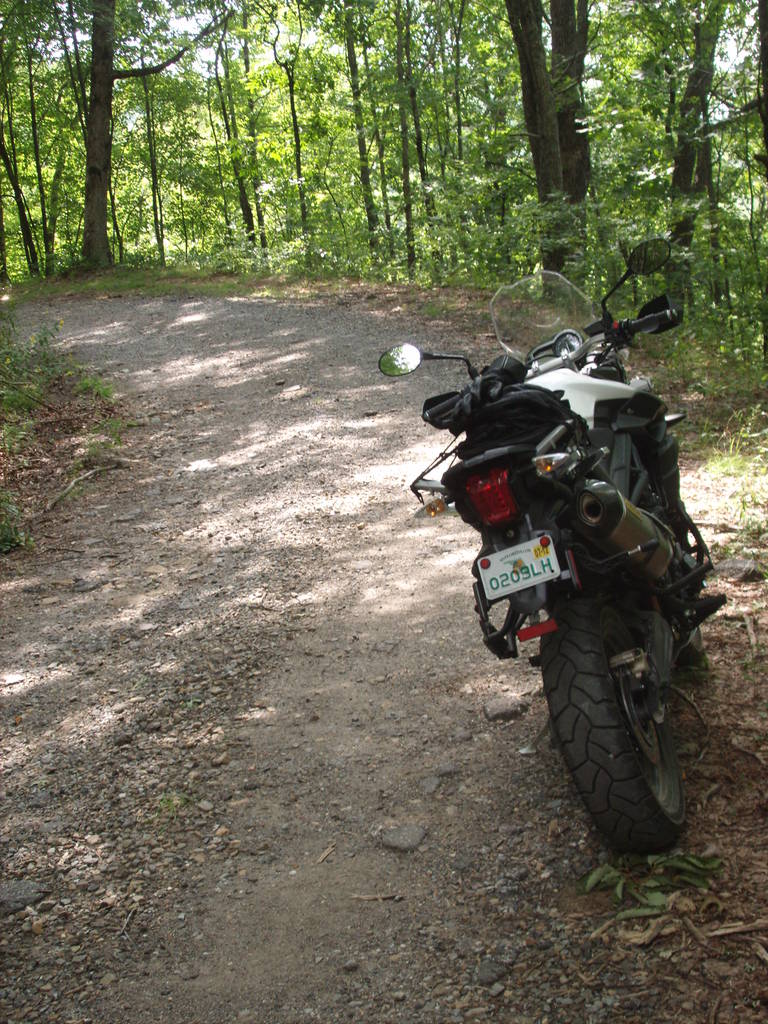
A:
(593, 735)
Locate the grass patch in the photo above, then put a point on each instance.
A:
(95, 386)
(45, 400)
(433, 303)
(12, 535)
(169, 804)
(740, 454)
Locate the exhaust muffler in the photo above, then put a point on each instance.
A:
(615, 525)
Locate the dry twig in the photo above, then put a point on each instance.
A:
(712, 1019)
(750, 632)
(738, 928)
(376, 898)
(127, 922)
(78, 480)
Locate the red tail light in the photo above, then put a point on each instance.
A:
(492, 496)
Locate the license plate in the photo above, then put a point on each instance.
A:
(518, 567)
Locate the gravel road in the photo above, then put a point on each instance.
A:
(248, 774)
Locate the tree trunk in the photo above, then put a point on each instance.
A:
(115, 225)
(75, 70)
(47, 235)
(256, 176)
(289, 71)
(418, 138)
(157, 210)
(706, 182)
(457, 19)
(227, 222)
(540, 112)
(402, 90)
(55, 194)
(98, 145)
(686, 185)
(569, 47)
(229, 117)
(4, 278)
(357, 109)
(98, 150)
(25, 226)
(379, 142)
(762, 87)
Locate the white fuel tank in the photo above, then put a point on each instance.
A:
(583, 391)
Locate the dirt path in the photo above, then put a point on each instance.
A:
(238, 670)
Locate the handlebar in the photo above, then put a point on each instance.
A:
(439, 409)
(615, 335)
(648, 324)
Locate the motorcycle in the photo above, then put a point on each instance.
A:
(569, 472)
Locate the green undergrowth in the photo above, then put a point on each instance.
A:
(31, 369)
(642, 886)
(12, 532)
(725, 395)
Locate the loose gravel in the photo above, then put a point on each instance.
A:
(257, 765)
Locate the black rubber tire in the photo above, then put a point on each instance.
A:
(637, 805)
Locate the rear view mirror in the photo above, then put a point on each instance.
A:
(400, 360)
(649, 256)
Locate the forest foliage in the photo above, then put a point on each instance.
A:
(441, 141)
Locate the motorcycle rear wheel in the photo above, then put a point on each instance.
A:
(625, 770)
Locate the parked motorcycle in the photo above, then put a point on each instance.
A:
(568, 471)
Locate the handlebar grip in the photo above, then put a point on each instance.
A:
(648, 324)
(429, 415)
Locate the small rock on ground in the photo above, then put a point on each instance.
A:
(505, 709)
(404, 838)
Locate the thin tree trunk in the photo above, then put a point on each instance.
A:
(55, 194)
(357, 109)
(762, 87)
(25, 226)
(115, 225)
(418, 138)
(233, 137)
(457, 21)
(75, 70)
(705, 178)
(4, 278)
(402, 89)
(379, 143)
(297, 151)
(182, 212)
(252, 126)
(47, 236)
(157, 213)
(227, 222)
(288, 66)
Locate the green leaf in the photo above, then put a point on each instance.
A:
(655, 899)
(605, 874)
